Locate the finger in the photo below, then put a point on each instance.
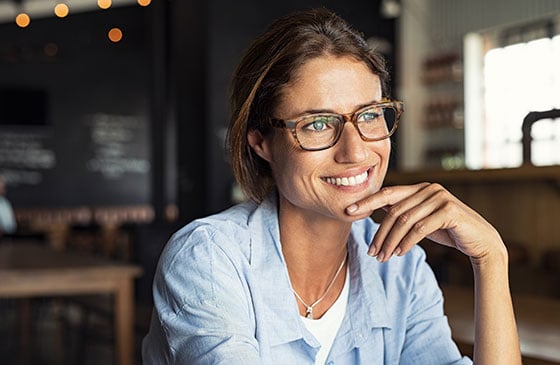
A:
(422, 229)
(386, 196)
(426, 219)
(397, 220)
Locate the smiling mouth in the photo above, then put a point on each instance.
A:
(347, 180)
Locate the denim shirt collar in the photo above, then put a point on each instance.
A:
(367, 302)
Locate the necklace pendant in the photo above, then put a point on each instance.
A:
(309, 313)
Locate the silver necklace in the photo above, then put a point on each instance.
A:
(309, 307)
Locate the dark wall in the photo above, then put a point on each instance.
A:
(92, 144)
(160, 98)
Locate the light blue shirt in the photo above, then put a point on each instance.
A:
(7, 218)
(222, 295)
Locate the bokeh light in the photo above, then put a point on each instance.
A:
(115, 35)
(23, 20)
(61, 10)
(104, 4)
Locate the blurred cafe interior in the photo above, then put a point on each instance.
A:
(113, 117)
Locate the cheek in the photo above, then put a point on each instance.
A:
(388, 147)
(284, 156)
(380, 151)
(294, 169)
(383, 149)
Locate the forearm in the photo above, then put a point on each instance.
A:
(496, 338)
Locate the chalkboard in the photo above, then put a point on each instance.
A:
(90, 142)
(105, 162)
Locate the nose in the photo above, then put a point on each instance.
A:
(350, 148)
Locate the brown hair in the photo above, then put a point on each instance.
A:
(271, 62)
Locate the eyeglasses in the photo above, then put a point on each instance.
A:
(316, 132)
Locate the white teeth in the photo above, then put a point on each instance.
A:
(348, 181)
(361, 178)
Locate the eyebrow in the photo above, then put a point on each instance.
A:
(330, 111)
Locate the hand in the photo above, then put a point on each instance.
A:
(426, 210)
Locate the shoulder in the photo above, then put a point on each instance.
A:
(202, 259)
(226, 231)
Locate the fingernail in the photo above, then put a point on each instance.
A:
(371, 250)
(397, 251)
(352, 208)
(380, 257)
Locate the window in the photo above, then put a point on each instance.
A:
(507, 75)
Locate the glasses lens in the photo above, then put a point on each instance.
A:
(377, 121)
(318, 131)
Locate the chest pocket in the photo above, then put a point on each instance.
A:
(295, 352)
(370, 349)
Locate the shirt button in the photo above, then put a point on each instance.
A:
(330, 363)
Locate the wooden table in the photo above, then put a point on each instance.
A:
(538, 322)
(31, 270)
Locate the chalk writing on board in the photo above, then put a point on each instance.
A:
(24, 157)
(117, 145)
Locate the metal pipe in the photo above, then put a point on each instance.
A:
(527, 125)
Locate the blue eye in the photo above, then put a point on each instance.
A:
(318, 124)
(370, 115)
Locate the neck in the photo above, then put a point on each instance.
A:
(314, 249)
(316, 293)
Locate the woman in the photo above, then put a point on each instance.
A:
(290, 276)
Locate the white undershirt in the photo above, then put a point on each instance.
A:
(325, 328)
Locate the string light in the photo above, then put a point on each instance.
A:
(115, 35)
(23, 20)
(61, 10)
(104, 4)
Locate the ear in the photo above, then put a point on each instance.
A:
(259, 144)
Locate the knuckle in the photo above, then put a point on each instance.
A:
(419, 227)
(403, 218)
(386, 190)
(448, 206)
(438, 192)
(394, 212)
(435, 187)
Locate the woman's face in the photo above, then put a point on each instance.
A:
(307, 181)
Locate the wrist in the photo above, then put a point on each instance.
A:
(495, 258)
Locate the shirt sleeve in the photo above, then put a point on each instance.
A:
(428, 335)
(202, 308)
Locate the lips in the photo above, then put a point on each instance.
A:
(347, 180)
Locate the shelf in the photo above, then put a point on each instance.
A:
(513, 175)
(443, 113)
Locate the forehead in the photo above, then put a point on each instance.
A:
(330, 83)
